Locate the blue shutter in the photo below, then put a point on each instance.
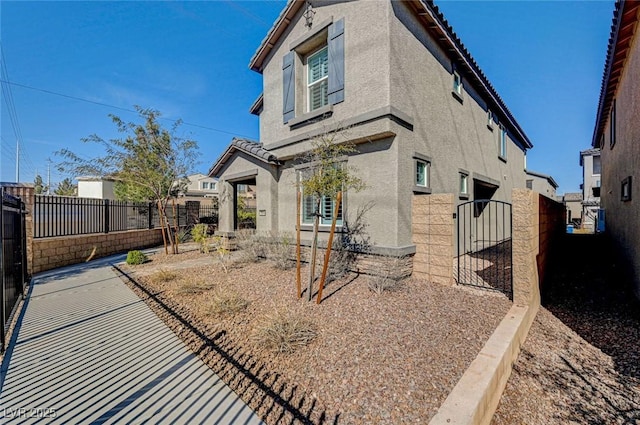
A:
(288, 84)
(336, 62)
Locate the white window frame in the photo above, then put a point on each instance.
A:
(320, 81)
(457, 83)
(310, 200)
(490, 120)
(502, 143)
(205, 185)
(427, 172)
(464, 183)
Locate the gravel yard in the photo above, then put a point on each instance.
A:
(581, 361)
(385, 359)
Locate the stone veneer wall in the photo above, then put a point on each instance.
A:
(50, 253)
(433, 232)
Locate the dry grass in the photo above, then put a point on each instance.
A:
(284, 333)
(193, 287)
(163, 276)
(380, 284)
(226, 301)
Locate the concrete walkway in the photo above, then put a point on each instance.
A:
(88, 350)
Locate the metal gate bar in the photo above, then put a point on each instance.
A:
(484, 257)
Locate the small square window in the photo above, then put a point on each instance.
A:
(530, 184)
(457, 84)
(490, 120)
(205, 185)
(422, 173)
(625, 190)
(464, 183)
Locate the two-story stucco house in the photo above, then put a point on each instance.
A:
(200, 186)
(591, 186)
(541, 183)
(422, 114)
(617, 133)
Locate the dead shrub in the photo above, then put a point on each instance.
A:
(280, 251)
(380, 284)
(390, 277)
(226, 301)
(191, 288)
(163, 276)
(284, 333)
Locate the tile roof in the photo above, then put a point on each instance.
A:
(435, 23)
(550, 179)
(249, 147)
(623, 27)
(572, 196)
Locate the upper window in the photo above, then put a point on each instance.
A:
(457, 84)
(503, 143)
(597, 165)
(205, 185)
(625, 190)
(530, 184)
(490, 120)
(612, 125)
(317, 79)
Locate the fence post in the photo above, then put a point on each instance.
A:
(106, 216)
(151, 215)
(2, 270)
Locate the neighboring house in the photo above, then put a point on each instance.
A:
(573, 204)
(200, 186)
(423, 115)
(96, 187)
(591, 182)
(617, 134)
(541, 183)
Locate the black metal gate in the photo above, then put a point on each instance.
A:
(13, 257)
(484, 257)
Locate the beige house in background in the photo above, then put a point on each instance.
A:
(96, 187)
(591, 186)
(541, 183)
(392, 77)
(573, 204)
(617, 134)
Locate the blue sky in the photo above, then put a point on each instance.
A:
(189, 60)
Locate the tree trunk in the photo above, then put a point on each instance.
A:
(298, 222)
(314, 247)
(175, 225)
(161, 221)
(327, 254)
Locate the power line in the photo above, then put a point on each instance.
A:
(117, 107)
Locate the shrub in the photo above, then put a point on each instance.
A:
(201, 236)
(224, 301)
(390, 277)
(136, 257)
(191, 288)
(163, 276)
(379, 284)
(284, 333)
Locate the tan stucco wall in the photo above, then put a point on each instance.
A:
(623, 160)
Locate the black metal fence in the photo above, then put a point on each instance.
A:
(68, 216)
(484, 245)
(13, 257)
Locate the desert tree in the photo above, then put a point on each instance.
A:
(66, 188)
(148, 162)
(323, 178)
(39, 186)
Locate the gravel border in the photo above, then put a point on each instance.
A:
(386, 359)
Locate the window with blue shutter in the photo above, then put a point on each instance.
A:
(317, 79)
(335, 41)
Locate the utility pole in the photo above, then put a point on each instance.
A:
(48, 176)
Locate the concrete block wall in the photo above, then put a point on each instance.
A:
(433, 231)
(51, 253)
(551, 219)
